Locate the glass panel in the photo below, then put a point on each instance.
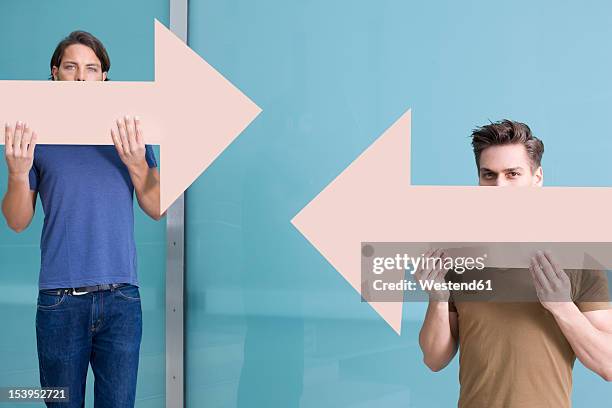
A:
(269, 322)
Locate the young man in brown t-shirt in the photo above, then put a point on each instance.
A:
(519, 354)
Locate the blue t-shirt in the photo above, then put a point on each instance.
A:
(88, 233)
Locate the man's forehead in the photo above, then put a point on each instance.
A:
(502, 157)
(79, 52)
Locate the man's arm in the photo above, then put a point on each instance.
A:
(146, 186)
(129, 142)
(590, 332)
(19, 202)
(439, 334)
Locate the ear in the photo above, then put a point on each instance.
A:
(104, 74)
(538, 177)
(54, 73)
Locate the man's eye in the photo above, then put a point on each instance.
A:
(514, 174)
(488, 175)
(69, 67)
(93, 69)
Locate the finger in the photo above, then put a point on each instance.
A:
(443, 257)
(439, 259)
(439, 275)
(131, 133)
(419, 269)
(426, 274)
(8, 140)
(117, 141)
(536, 282)
(429, 264)
(17, 138)
(538, 273)
(139, 131)
(547, 268)
(32, 145)
(25, 139)
(123, 136)
(558, 270)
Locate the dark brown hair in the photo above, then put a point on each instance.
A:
(84, 38)
(507, 132)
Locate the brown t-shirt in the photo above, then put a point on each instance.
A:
(512, 354)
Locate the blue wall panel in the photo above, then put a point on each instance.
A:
(269, 322)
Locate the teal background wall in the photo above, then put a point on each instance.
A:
(29, 32)
(269, 322)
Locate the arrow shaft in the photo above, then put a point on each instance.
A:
(60, 112)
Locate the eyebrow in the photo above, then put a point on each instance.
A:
(87, 65)
(484, 169)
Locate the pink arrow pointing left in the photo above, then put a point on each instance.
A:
(372, 200)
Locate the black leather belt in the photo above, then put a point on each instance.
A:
(88, 289)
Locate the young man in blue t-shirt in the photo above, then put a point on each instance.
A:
(88, 309)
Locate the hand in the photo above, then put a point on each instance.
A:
(129, 142)
(551, 282)
(19, 144)
(436, 274)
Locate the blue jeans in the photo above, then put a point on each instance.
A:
(103, 329)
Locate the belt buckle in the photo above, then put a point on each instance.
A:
(74, 292)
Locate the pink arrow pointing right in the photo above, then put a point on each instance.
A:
(190, 110)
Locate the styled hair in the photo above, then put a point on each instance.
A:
(507, 132)
(84, 38)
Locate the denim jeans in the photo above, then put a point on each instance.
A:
(101, 328)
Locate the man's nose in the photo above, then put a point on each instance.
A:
(80, 75)
(501, 181)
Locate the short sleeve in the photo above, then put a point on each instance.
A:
(34, 178)
(592, 306)
(592, 290)
(150, 156)
(452, 276)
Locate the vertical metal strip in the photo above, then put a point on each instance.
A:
(175, 262)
